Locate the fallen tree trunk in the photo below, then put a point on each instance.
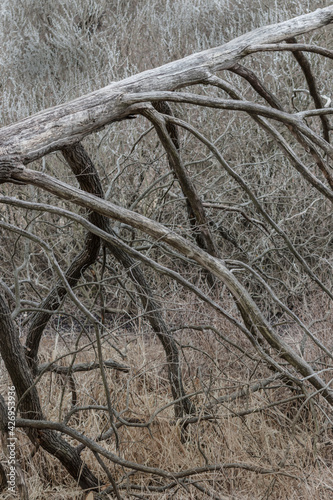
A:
(69, 123)
(61, 128)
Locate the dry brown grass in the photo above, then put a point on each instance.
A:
(295, 445)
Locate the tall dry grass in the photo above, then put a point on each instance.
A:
(54, 53)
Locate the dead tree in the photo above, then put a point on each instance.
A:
(62, 128)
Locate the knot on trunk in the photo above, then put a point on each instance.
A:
(9, 166)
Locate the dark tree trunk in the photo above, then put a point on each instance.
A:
(12, 353)
(87, 176)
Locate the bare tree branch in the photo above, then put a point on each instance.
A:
(52, 129)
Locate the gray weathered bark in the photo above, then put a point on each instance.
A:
(66, 124)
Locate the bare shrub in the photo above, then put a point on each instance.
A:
(166, 252)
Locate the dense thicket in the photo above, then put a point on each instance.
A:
(166, 248)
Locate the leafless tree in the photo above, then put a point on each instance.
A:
(235, 254)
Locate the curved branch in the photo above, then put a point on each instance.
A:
(196, 210)
(81, 367)
(69, 123)
(233, 105)
(291, 47)
(251, 195)
(92, 445)
(306, 68)
(84, 169)
(13, 356)
(110, 238)
(271, 99)
(212, 264)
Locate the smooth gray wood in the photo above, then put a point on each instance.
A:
(53, 128)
